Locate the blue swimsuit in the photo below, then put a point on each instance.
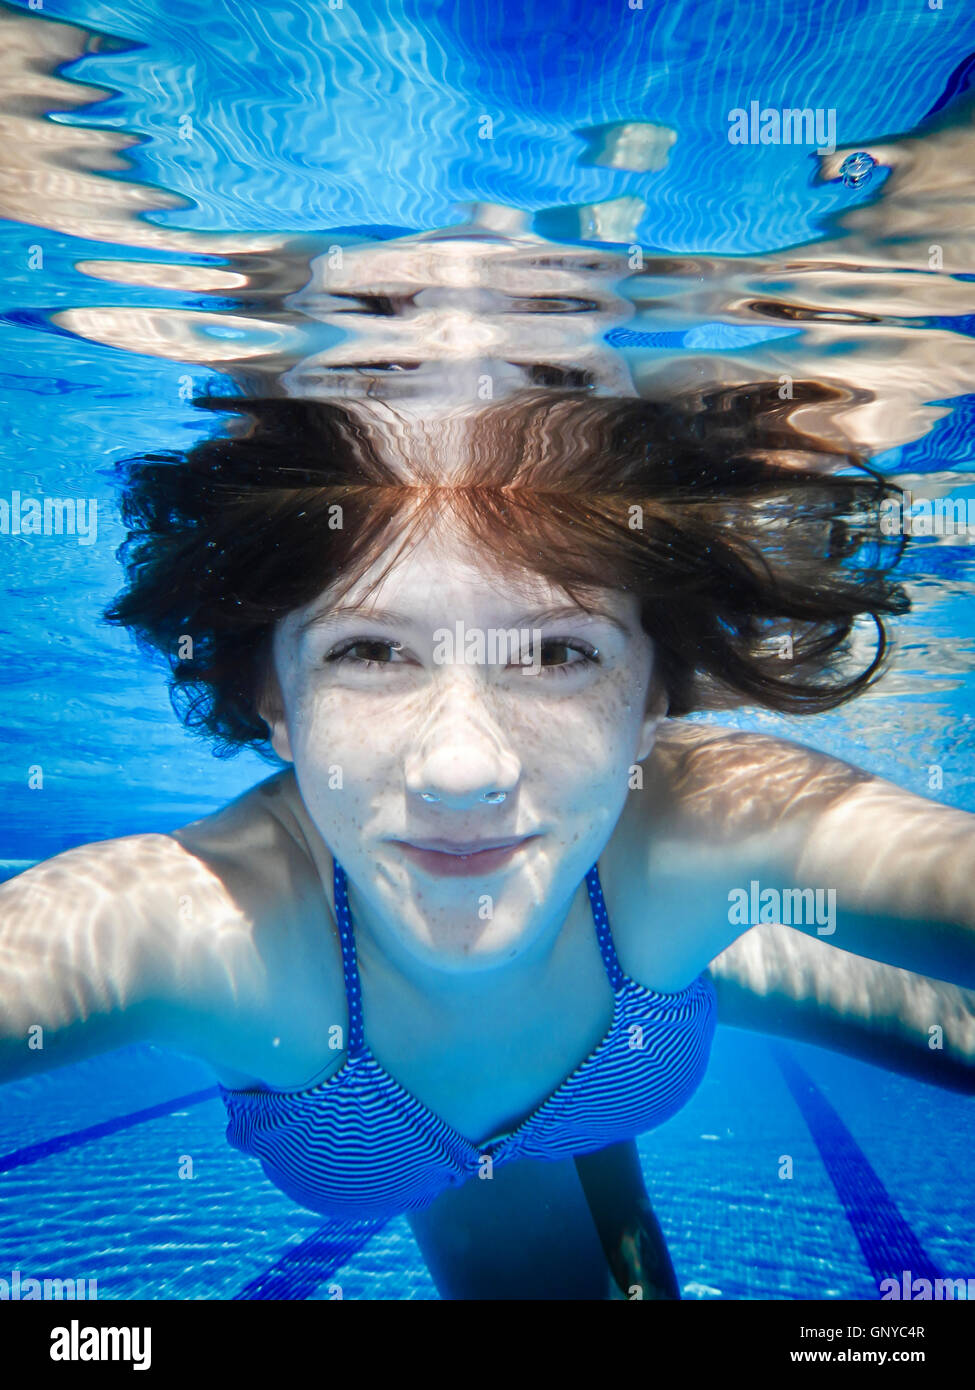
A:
(359, 1145)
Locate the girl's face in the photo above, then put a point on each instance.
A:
(406, 717)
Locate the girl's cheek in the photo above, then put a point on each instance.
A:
(328, 728)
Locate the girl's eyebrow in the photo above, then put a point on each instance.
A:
(569, 612)
(353, 610)
(573, 612)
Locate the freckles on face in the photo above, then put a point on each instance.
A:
(401, 730)
(580, 748)
(565, 734)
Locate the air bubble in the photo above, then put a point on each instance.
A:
(857, 168)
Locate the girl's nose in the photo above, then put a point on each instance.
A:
(461, 756)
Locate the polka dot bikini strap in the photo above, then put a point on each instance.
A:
(350, 968)
(603, 934)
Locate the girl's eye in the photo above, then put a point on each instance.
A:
(373, 655)
(562, 666)
(374, 645)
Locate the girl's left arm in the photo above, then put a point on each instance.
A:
(784, 982)
(892, 876)
(892, 873)
(900, 872)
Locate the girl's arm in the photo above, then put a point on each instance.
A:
(892, 874)
(113, 943)
(774, 979)
(903, 872)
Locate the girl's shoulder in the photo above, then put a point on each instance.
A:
(727, 784)
(269, 862)
(716, 808)
(269, 928)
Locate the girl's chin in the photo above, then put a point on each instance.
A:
(468, 953)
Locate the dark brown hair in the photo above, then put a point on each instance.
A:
(743, 540)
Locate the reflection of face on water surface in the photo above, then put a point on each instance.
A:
(559, 740)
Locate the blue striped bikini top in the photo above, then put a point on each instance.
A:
(359, 1145)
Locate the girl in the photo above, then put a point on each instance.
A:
(454, 955)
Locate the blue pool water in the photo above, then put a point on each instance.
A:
(361, 122)
(95, 1185)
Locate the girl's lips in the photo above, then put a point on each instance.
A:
(444, 865)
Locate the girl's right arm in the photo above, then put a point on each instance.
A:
(117, 942)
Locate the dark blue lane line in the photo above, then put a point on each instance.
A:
(888, 1243)
(960, 81)
(299, 1271)
(296, 1274)
(34, 1152)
